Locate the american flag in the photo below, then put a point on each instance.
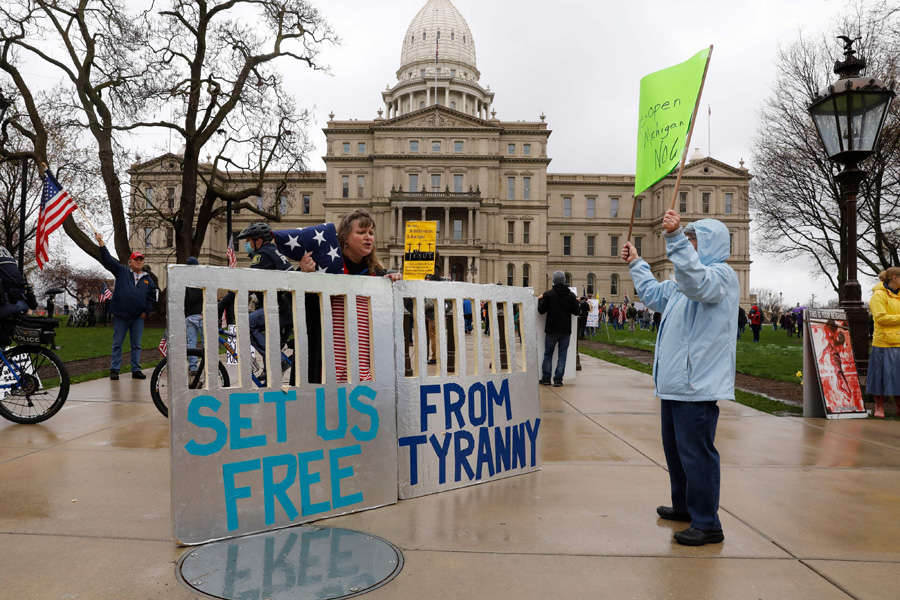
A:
(364, 347)
(229, 252)
(106, 294)
(56, 206)
(320, 239)
(163, 345)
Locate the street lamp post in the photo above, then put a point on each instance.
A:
(849, 116)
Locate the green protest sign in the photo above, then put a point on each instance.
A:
(667, 103)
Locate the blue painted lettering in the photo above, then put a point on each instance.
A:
(234, 493)
(237, 423)
(307, 479)
(461, 454)
(413, 441)
(364, 409)
(480, 404)
(280, 400)
(451, 407)
(321, 426)
(441, 451)
(338, 473)
(425, 408)
(499, 398)
(206, 422)
(273, 490)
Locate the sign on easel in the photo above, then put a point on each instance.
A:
(830, 382)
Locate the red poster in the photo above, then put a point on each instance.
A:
(834, 361)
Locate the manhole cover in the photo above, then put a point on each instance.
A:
(298, 563)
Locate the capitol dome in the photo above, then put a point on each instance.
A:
(439, 26)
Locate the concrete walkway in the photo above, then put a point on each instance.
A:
(810, 508)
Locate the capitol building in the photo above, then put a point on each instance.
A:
(437, 152)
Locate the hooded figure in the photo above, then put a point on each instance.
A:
(694, 366)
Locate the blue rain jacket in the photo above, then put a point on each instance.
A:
(696, 343)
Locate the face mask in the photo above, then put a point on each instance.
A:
(247, 248)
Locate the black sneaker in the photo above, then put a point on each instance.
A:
(557, 384)
(670, 514)
(137, 375)
(698, 537)
(113, 374)
(544, 382)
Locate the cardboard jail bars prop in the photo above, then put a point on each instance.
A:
(466, 419)
(667, 113)
(246, 459)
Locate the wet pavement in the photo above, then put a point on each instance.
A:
(810, 508)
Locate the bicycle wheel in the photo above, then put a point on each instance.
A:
(42, 388)
(159, 381)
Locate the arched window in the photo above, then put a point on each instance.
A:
(526, 275)
(590, 284)
(614, 285)
(510, 274)
(569, 279)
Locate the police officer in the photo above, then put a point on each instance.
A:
(16, 296)
(264, 255)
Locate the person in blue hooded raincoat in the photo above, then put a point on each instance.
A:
(694, 365)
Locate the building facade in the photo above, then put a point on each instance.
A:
(437, 151)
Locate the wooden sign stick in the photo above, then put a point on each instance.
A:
(687, 142)
(631, 224)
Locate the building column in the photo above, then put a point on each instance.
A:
(423, 213)
(446, 235)
(446, 271)
(398, 222)
(447, 96)
(475, 223)
(471, 237)
(428, 95)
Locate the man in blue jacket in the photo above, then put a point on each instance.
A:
(132, 299)
(694, 366)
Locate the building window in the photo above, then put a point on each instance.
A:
(414, 182)
(361, 148)
(510, 274)
(567, 245)
(510, 188)
(345, 186)
(526, 275)
(170, 237)
(590, 244)
(360, 186)
(614, 285)
(526, 232)
(457, 229)
(526, 149)
(436, 146)
(638, 207)
(510, 232)
(346, 147)
(170, 198)
(590, 284)
(567, 206)
(568, 279)
(283, 204)
(526, 188)
(435, 182)
(590, 208)
(682, 202)
(637, 244)
(414, 146)
(511, 149)
(259, 202)
(457, 183)
(422, 102)
(730, 243)
(613, 245)
(306, 203)
(613, 207)
(151, 197)
(706, 203)
(729, 203)
(453, 104)
(458, 146)
(148, 237)
(452, 71)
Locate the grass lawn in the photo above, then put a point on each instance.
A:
(776, 356)
(76, 343)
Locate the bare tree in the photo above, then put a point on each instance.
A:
(768, 300)
(795, 194)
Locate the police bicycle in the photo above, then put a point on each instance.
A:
(34, 382)
(159, 381)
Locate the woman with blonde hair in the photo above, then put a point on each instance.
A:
(883, 378)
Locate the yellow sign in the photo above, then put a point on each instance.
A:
(419, 249)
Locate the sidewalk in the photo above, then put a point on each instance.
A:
(810, 508)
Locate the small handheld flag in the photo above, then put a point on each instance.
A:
(56, 206)
(321, 240)
(106, 294)
(229, 252)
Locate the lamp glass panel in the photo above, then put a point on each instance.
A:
(823, 115)
(875, 106)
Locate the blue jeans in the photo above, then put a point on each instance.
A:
(135, 330)
(688, 433)
(193, 328)
(561, 343)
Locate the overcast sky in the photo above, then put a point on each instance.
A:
(580, 63)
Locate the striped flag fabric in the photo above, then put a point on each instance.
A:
(163, 346)
(229, 252)
(106, 294)
(364, 337)
(56, 206)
